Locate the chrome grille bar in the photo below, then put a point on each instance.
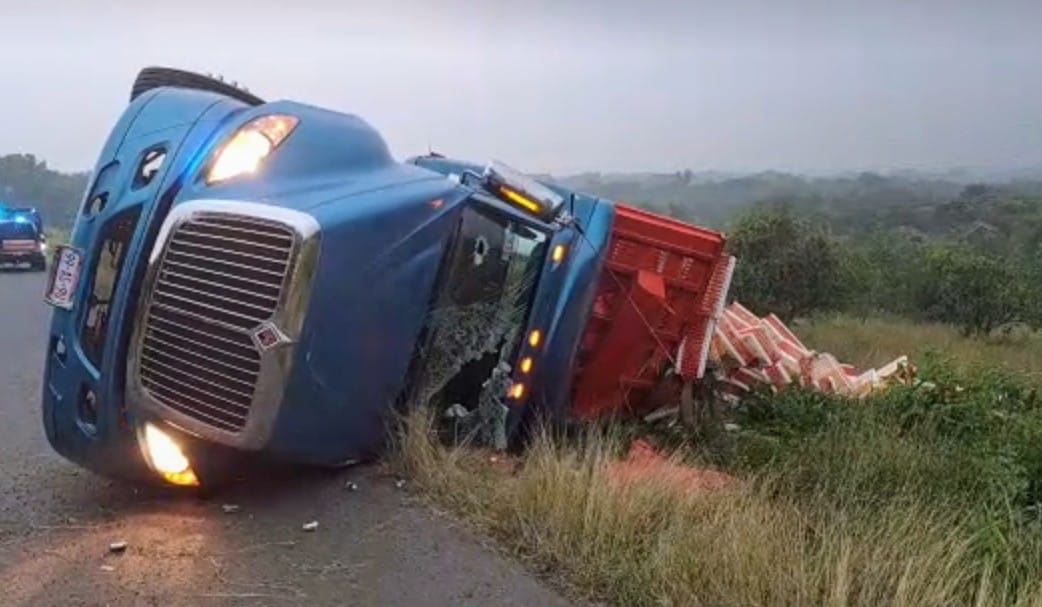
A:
(221, 277)
(223, 302)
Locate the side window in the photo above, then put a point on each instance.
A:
(109, 259)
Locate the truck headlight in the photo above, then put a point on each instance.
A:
(166, 457)
(249, 146)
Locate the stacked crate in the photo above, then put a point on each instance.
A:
(749, 351)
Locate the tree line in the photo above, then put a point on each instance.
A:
(968, 254)
(796, 266)
(922, 247)
(26, 180)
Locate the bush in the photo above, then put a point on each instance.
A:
(794, 267)
(970, 447)
(975, 291)
(787, 265)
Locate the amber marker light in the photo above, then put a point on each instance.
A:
(520, 200)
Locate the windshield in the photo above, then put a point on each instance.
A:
(16, 230)
(486, 296)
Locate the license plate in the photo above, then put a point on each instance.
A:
(65, 277)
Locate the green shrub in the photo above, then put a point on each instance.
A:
(788, 265)
(969, 445)
(975, 291)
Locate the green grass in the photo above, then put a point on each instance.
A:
(920, 496)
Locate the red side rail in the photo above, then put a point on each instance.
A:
(663, 283)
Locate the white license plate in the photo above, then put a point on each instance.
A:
(65, 277)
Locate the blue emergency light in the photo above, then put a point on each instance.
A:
(21, 215)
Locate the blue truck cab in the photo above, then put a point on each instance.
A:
(22, 238)
(263, 279)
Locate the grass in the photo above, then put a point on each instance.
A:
(57, 235)
(874, 342)
(917, 497)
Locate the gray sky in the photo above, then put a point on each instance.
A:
(569, 85)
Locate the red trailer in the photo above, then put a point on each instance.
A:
(662, 288)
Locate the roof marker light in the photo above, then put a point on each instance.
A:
(520, 200)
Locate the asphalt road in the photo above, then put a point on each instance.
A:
(378, 545)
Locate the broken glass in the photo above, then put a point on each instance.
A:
(479, 321)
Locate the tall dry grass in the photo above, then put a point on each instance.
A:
(757, 543)
(873, 342)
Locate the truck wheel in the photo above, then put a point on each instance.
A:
(155, 77)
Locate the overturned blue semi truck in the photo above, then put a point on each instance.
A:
(250, 279)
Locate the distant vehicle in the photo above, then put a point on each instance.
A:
(263, 279)
(22, 239)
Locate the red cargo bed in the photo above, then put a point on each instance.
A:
(663, 284)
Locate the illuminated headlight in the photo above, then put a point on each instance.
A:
(245, 151)
(43, 246)
(165, 456)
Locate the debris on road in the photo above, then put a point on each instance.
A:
(108, 568)
(117, 547)
(352, 486)
(312, 526)
(399, 483)
(230, 508)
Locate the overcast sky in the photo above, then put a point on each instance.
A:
(566, 85)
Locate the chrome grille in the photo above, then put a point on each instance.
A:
(221, 276)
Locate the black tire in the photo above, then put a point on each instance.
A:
(155, 77)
